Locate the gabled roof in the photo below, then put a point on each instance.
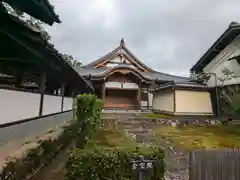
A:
(226, 38)
(150, 74)
(114, 52)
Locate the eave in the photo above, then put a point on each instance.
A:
(26, 48)
(41, 10)
(226, 38)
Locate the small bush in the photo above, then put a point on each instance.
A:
(112, 164)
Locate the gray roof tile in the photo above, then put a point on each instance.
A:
(85, 71)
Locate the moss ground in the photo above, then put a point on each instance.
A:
(155, 115)
(201, 137)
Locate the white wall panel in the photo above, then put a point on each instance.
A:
(17, 105)
(67, 104)
(51, 104)
(130, 85)
(221, 61)
(113, 84)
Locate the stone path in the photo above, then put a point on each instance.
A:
(141, 130)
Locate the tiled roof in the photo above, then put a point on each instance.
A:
(183, 84)
(5, 76)
(95, 72)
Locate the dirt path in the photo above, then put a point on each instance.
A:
(141, 131)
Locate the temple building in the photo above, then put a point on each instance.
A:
(122, 80)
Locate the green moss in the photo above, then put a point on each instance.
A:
(201, 137)
(109, 138)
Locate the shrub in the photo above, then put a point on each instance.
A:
(112, 164)
(88, 112)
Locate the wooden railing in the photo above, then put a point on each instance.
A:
(219, 164)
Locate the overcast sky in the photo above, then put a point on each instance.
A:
(167, 35)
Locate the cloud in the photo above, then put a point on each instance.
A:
(168, 36)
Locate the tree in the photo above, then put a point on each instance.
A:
(70, 59)
(229, 96)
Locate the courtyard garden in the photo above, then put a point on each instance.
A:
(108, 154)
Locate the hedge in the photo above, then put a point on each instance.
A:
(106, 164)
(80, 130)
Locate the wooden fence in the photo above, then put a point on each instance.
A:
(221, 164)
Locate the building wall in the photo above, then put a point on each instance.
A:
(19, 105)
(193, 102)
(163, 101)
(221, 61)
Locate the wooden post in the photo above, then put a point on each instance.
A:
(147, 99)
(62, 95)
(41, 90)
(103, 92)
(174, 101)
(140, 94)
(18, 78)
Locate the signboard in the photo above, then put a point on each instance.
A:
(142, 165)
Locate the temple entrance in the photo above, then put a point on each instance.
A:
(121, 99)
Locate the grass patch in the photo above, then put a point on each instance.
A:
(201, 137)
(109, 138)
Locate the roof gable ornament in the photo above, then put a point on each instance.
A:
(122, 42)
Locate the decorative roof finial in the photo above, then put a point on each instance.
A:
(122, 43)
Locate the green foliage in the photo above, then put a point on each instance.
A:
(232, 105)
(70, 59)
(112, 164)
(88, 112)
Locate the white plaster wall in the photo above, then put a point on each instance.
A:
(150, 99)
(130, 85)
(67, 104)
(143, 103)
(193, 102)
(51, 104)
(17, 105)
(116, 60)
(163, 101)
(113, 84)
(221, 61)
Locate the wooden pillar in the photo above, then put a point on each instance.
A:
(62, 95)
(147, 98)
(18, 78)
(41, 90)
(174, 101)
(140, 94)
(103, 92)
